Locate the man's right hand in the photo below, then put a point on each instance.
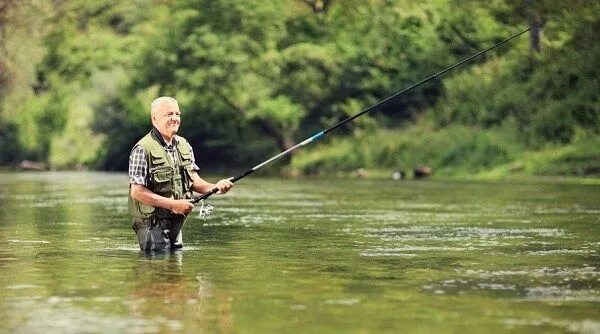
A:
(181, 206)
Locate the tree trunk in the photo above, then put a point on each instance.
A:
(283, 140)
(535, 23)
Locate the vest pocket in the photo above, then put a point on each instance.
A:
(161, 179)
(158, 157)
(145, 209)
(189, 170)
(186, 156)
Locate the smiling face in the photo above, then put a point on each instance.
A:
(166, 118)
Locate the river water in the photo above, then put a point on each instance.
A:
(304, 256)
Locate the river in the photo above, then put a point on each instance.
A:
(304, 256)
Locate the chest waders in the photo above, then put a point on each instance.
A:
(157, 228)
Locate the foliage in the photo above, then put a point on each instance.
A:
(580, 158)
(553, 95)
(20, 50)
(254, 78)
(454, 148)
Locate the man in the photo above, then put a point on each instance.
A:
(163, 173)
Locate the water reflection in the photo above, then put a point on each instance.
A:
(159, 279)
(165, 293)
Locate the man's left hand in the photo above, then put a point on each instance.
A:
(224, 186)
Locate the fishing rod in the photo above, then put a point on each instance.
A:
(379, 104)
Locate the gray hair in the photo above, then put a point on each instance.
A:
(161, 100)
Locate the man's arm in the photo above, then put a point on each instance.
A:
(202, 186)
(144, 195)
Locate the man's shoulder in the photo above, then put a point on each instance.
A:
(183, 144)
(137, 148)
(147, 143)
(184, 147)
(180, 139)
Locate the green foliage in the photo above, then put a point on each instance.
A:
(479, 152)
(450, 150)
(9, 139)
(21, 48)
(469, 99)
(53, 112)
(41, 119)
(553, 94)
(581, 158)
(133, 118)
(255, 77)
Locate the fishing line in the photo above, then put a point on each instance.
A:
(321, 134)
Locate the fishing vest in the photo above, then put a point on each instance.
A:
(165, 177)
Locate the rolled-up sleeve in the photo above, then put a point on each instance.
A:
(194, 166)
(138, 167)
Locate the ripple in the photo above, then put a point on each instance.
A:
(345, 302)
(582, 272)
(554, 293)
(448, 233)
(408, 251)
(383, 254)
(23, 286)
(578, 326)
(562, 251)
(247, 221)
(29, 241)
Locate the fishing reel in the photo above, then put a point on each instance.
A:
(205, 210)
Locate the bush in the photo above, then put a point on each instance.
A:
(582, 158)
(554, 125)
(452, 150)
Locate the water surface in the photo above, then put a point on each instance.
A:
(310, 256)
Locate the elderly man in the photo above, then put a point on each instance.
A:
(163, 173)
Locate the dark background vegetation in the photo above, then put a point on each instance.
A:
(255, 77)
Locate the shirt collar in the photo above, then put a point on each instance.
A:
(161, 140)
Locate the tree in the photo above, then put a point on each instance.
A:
(277, 65)
(551, 102)
(21, 49)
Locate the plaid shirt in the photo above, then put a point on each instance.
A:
(138, 166)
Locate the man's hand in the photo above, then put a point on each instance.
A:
(144, 195)
(181, 206)
(224, 186)
(201, 186)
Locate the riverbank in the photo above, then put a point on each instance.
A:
(453, 152)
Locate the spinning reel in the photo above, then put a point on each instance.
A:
(205, 210)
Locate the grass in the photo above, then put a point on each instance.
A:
(453, 152)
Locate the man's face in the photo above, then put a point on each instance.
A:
(166, 119)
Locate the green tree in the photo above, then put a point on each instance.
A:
(289, 67)
(552, 96)
(85, 47)
(21, 48)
